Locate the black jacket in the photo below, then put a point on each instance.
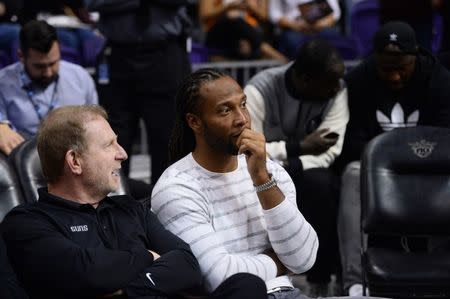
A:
(425, 100)
(61, 249)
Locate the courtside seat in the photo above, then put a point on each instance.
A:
(25, 160)
(10, 193)
(405, 194)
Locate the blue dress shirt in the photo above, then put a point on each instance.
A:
(23, 103)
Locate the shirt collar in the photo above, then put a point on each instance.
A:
(44, 196)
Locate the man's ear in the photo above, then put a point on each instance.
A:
(73, 162)
(194, 122)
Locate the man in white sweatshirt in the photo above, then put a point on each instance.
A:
(233, 206)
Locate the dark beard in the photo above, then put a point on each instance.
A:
(219, 144)
(44, 83)
(40, 82)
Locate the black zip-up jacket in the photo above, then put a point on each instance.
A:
(62, 249)
(425, 100)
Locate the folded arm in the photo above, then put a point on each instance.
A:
(177, 268)
(184, 212)
(44, 257)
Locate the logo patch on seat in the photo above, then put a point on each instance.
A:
(422, 148)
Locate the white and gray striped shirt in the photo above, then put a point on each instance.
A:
(219, 215)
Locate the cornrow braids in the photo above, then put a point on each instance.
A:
(182, 139)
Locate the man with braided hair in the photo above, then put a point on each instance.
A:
(234, 207)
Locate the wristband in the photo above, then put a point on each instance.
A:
(267, 185)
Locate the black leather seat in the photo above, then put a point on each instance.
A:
(405, 193)
(25, 160)
(10, 194)
(27, 165)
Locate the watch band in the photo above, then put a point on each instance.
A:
(267, 185)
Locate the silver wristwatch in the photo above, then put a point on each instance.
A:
(267, 185)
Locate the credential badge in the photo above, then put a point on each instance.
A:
(422, 148)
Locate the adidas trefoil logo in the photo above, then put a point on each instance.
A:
(397, 119)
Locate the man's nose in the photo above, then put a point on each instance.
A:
(47, 72)
(241, 117)
(121, 153)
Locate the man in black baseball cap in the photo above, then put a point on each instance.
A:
(399, 85)
(395, 53)
(397, 34)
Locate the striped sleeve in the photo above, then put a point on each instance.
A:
(184, 211)
(292, 238)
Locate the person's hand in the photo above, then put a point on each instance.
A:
(253, 145)
(317, 27)
(323, 23)
(9, 139)
(155, 255)
(316, 144)
(302, 26)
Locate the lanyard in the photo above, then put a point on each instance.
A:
(31, 96)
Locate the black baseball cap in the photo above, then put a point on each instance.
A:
(396, 33)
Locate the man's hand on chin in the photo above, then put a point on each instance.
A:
(253, 145)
